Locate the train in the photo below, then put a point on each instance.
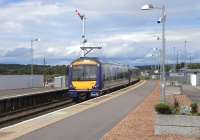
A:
(89, 77)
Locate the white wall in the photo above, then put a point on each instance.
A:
(193, 79)
(60, 82)
(20, 81)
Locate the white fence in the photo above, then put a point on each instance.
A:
(20, 81)
(60, 82)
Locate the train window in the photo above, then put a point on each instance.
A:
(84, 73)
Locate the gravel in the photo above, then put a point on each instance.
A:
(139, 124)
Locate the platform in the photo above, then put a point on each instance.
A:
(192, 92)
(89, 120)
(13, 93)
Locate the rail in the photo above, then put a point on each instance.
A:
(14, 105)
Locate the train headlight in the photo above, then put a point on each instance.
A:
(71, 86)
(95, 86)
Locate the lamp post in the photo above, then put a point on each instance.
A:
(86, 49)
(157, 57)
(32, 57)
(185, 45)
(154, 57)
(162, 20)
(44, 73)
(83, 20)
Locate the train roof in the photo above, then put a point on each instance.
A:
(103, 61)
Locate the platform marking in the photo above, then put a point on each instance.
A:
(20, 129)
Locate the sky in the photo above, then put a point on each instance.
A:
(126, 34)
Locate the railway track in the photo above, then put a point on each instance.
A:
(16, 116)
(31, 112)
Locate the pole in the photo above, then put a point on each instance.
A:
(177, 61)
(185, 44)
(83, 29)
(160, 68)
(44, 62)
(155, 62)
(174, 55)
(163, 55)
(83, 34)
(158, 60)
(31, 63)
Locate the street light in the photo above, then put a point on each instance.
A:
(86, 49)
(185, 45)
(157, 56)
(162, 20)
(32, 57)
(147, 7)
(83, 20)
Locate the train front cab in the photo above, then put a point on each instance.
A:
(85, 79)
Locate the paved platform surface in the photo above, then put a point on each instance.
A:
(21, 92)
(87, 120)
(192, 92)
(173, 90)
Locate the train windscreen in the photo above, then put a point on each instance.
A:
(84, 73)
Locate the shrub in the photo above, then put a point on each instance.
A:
(185, 110)
(194, 108)
(163, 108)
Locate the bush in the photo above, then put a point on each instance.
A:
(185, 110)
(163, 108)
(194, 108)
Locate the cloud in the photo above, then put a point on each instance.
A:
(15, 15)
(18, 53)
(135, 47)
(126, 33)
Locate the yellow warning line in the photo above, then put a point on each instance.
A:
(20, 129)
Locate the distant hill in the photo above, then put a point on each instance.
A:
(11, 69)
(170, 66)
